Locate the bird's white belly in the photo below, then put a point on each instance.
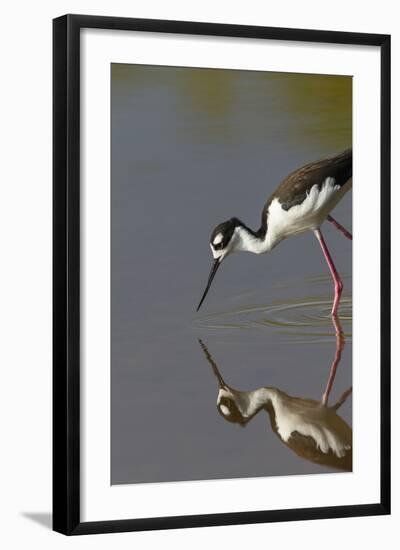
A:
(309, 423)
(305, 216)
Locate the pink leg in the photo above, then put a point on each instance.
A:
(340, 227)
(335, 274)
(336, 360)
(342, 398)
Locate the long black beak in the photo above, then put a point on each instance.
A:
(214, 270)
(221, 381)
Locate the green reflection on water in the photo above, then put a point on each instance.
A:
(308, 108)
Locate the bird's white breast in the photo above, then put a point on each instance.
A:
(305, 216)
(311, 421)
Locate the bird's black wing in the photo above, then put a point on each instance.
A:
(295, 187)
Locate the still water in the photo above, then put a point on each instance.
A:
(190, 149)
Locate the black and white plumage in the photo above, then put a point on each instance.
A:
(302, 202)
(311, 429)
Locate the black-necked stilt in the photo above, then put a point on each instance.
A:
(309, 428)
(302, 202)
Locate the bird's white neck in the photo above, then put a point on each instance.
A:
(249, 402)
(247, 241)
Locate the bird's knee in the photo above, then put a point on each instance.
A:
(339, 286)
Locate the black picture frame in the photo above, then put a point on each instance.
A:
(66, 273)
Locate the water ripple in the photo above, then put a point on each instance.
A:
(305, 320)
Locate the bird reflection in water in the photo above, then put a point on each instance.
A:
(311, 429)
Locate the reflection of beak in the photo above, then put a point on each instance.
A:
(221, 381)
(214, 270)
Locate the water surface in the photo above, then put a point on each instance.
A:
(190, 149)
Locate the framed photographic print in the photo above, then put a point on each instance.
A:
(259, 390)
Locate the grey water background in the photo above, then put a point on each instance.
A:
(190, 149)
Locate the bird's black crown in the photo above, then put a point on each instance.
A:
(232, 413)
(226, 230)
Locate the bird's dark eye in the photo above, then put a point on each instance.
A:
(218, 246)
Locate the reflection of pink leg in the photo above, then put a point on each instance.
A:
(336, 360)
(342, 399)
(340, 227)
(335, 274)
